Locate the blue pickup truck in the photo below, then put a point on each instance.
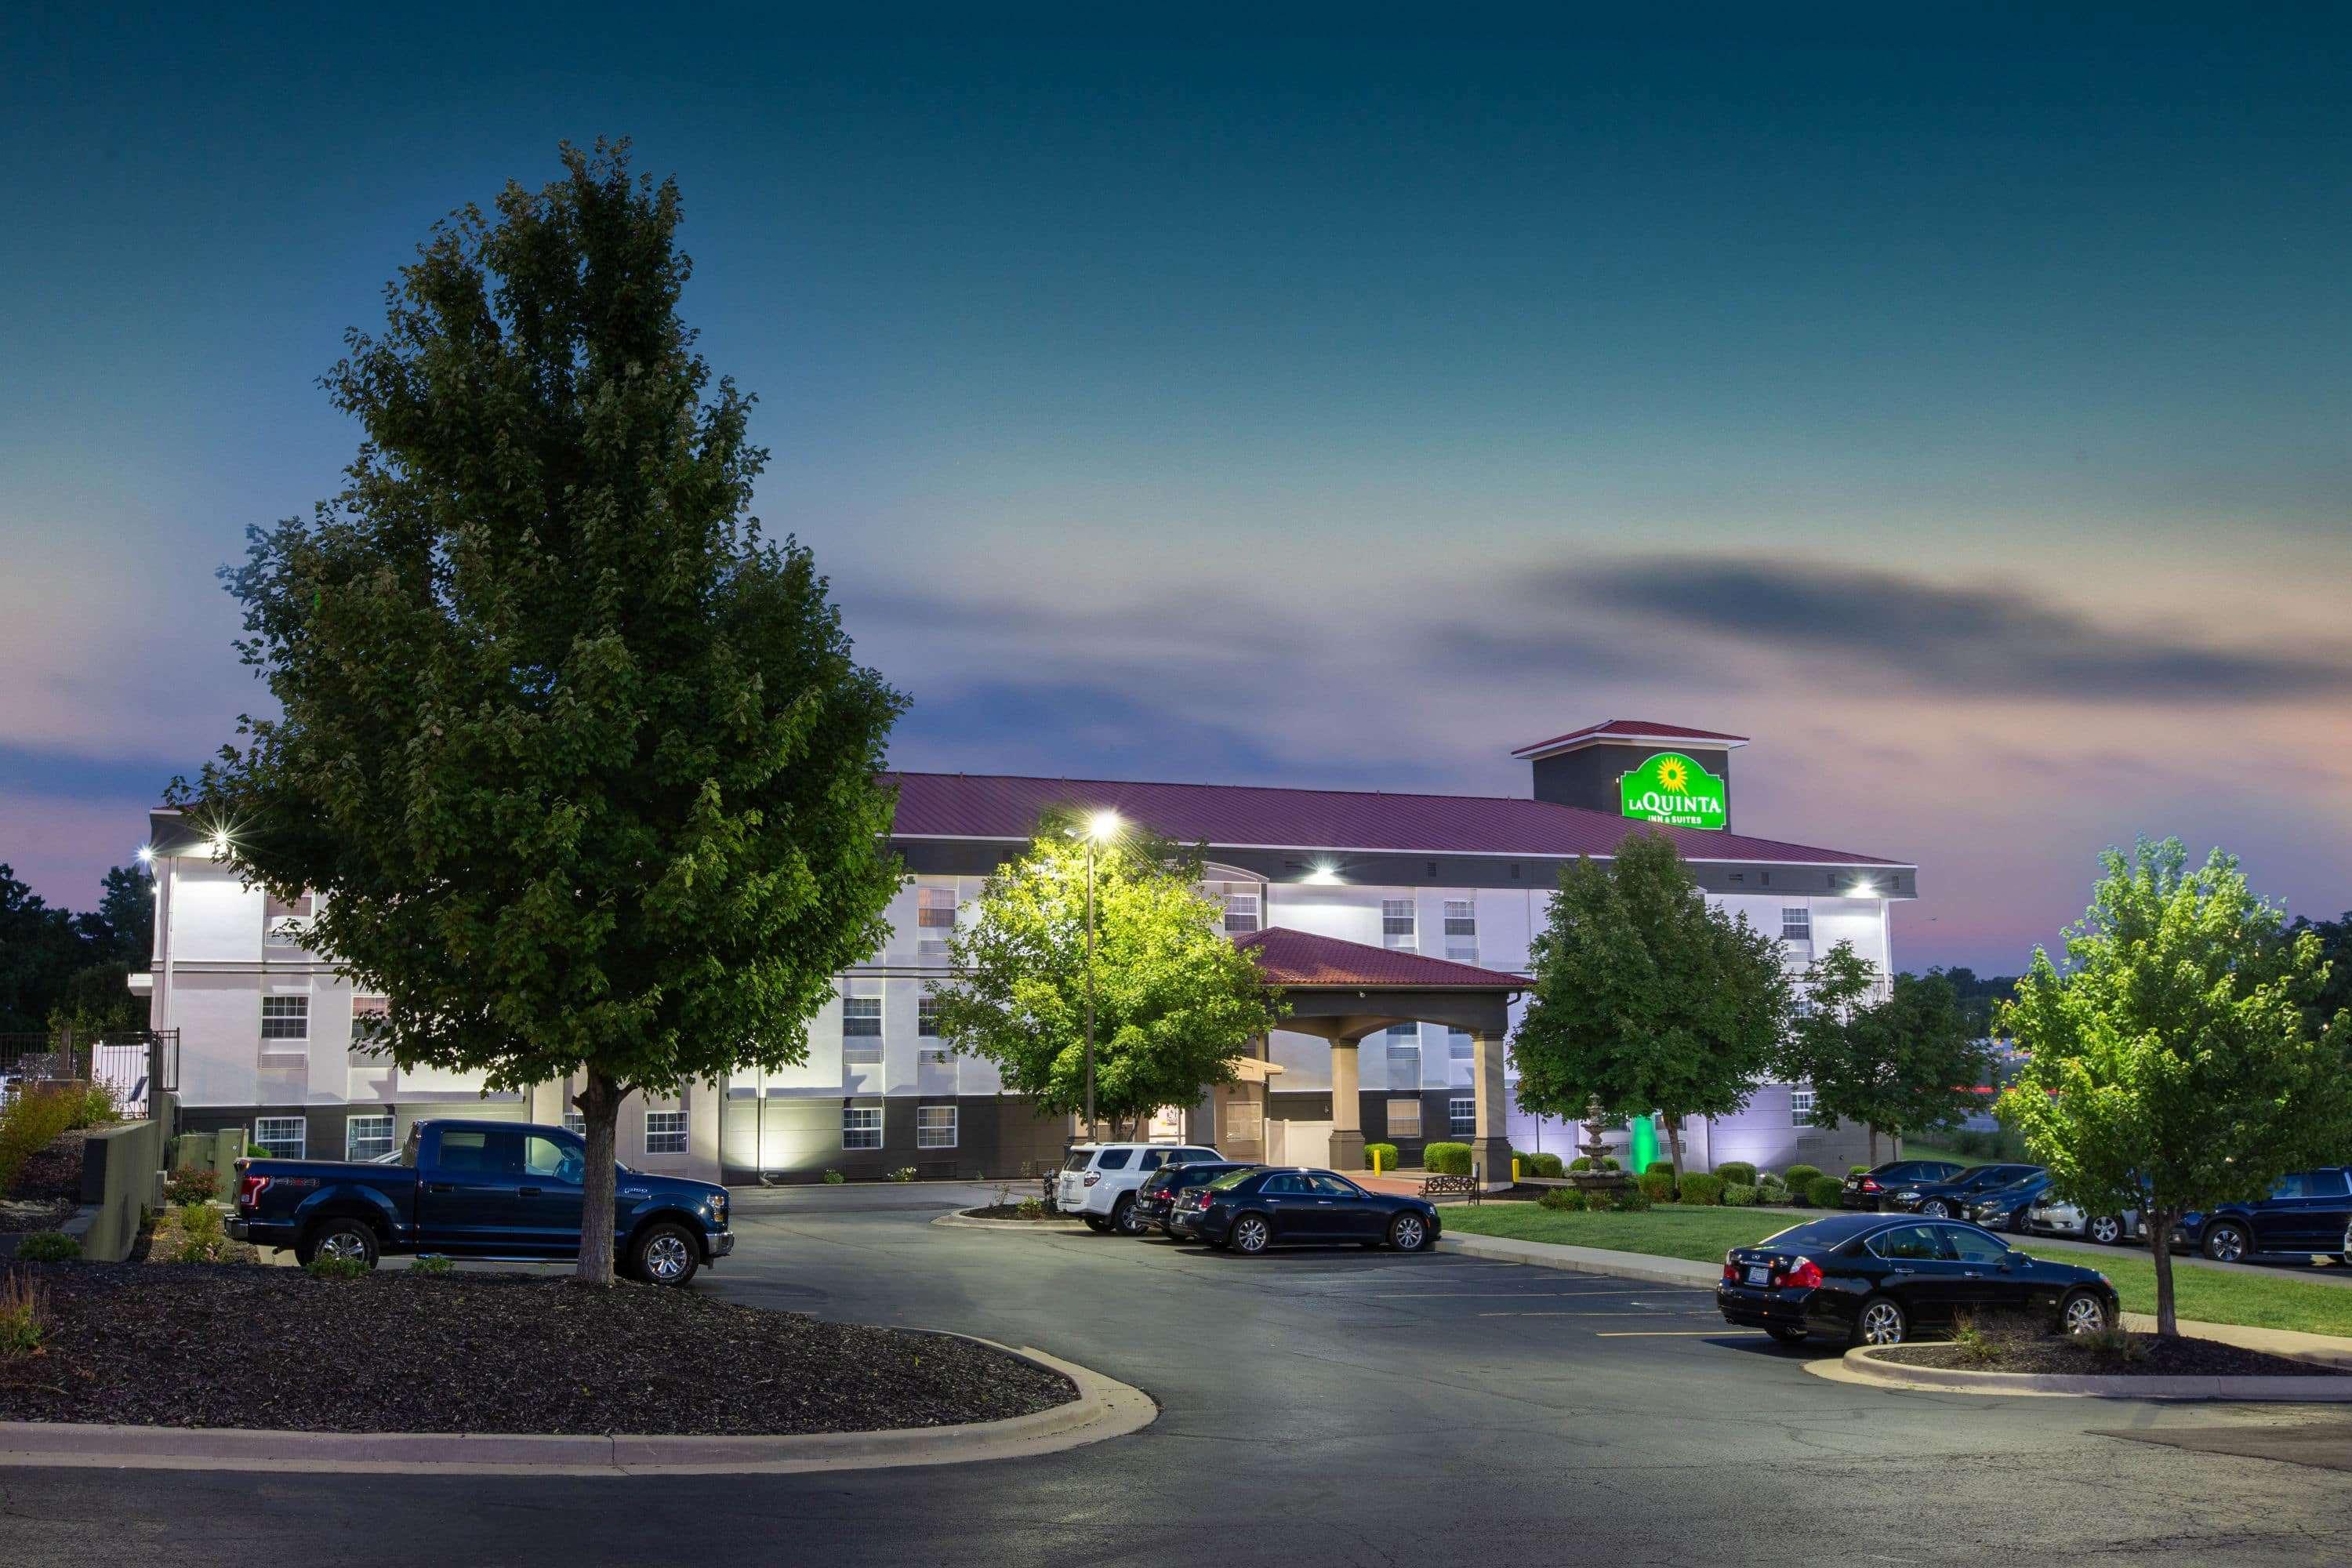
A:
(478, 1189)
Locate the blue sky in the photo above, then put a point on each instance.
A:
(1955, 402)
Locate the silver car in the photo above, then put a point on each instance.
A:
(2052, 1218)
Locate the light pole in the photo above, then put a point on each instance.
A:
(1100, 828)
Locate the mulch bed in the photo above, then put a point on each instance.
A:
(1012, 1211)
(223, 1345)
(2158, 1358)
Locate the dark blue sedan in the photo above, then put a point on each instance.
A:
(1248, 1211)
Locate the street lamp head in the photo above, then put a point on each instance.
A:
(1103, 826)
(146, 853)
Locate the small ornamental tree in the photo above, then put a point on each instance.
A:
(580, 762)
(1175, 1002)
(1901, 1063)
(2171, 1065)
(1647, 997)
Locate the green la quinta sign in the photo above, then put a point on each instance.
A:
(1674, 789)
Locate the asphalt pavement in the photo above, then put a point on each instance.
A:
(1318, 1408)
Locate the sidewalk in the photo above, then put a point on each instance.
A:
(2324, 1348)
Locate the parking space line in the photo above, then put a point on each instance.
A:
(1676, 1333)
(1597, 1314)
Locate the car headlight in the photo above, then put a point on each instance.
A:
(1906, 1194)
(719, 1206)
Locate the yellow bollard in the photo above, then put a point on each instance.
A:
(1515, 1167)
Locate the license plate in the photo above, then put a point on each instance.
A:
(1758, 1274)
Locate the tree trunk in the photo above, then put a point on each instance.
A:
(1674, 1149)
(2157, 1223)
(598, 1101)
(1873, 1144)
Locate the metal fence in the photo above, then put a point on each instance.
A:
(132, 1063)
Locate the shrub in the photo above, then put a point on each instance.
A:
(191, 1184)
(1582, 1162)
(1546, 1165)
(23, 1313)
(1446, 1159)
(48, 1246)
(1737, 1171)
(1657, 1166)
(325, 1267)
(1739, 1194)
(1380, 1156)
(198, 1219)
(1799, 1177)
(1772, 1190)
(1822, 1192)
(1030, 1208)
(1656, 1186)
(1573, 1199)
(431, 1263)
(1702, 1189)
(835, 1178)
(1630, 1200)
(95, 1106)
(1856, 1170)
(903, 1173)
(28, 1124)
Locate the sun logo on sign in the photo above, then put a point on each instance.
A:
(1673, 775)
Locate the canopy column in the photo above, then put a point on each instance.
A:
(1490, 1146)
(1346, 1113)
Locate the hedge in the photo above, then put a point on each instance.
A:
(1699, 1188)
(1799, 1177)
(1772, 1190)
(1446, 1159)
(1542, 1165)
(1388, 1153)
(1630, 1200)
(1737, 1171)
(1572, 1199)
(1657, 1166)
(1739, 1194)
(1822, 1192)
(1582, 1162)
(1658, 1186)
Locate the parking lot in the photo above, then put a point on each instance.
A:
(1320, 1406)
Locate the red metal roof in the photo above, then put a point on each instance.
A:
(1632, 730)
(1287, 957)
(996, 806)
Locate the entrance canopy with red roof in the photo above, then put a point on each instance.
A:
(1344, 990)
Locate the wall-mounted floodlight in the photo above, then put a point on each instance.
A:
(1323, 874)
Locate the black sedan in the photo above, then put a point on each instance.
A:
(2008, 1208)
(1247, 1211)
(1950, 1198)
(1863, 1189)
(1155, 1201)
(1870, 1280)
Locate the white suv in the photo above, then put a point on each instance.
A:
(1098, 1180)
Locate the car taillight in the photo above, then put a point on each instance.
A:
(1868, 1185)
(249, 1191)
(1730, 1272)
(1802, 1274)
(1092, 1177)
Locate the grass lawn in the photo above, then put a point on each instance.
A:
(1702, 1234)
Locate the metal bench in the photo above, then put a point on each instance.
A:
(1436, 1187)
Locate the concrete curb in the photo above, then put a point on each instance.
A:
(957, 1220)
(1105, 1408)
(1862, 1366)
(1585, 1259)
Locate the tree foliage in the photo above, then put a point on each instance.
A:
(62, 970)
(1175, 1002)
(580, 760)
(1899, 1063)
(1647, 997)
(2172, 1064)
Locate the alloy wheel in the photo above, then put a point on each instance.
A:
(2227, 1244)
(1250, 1234)
(2085, 1315)
(1409, 1233)
(342, 1244)
(666, 1257)
(1936, 1208)
(1882, 1323)
(2106, 1232)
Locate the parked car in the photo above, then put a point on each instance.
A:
(1950, 1197)
(1258, 1206)
(478, 1189)
(2005, 1209)
(2307, 1212)
(1875, 1279)
(1155, 1199)
(2055, 1217)
(1097, 1180)
(1863, 1189)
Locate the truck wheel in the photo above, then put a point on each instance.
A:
(665, 1254)
(338, 1238)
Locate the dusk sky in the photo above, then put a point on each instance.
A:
(1956, 403)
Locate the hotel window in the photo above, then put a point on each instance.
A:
(1403, 1043)
(1461, 1118)
(935, 1127)
(575, 1123)
(367, 1137)
(1800, 1108)
(281, 1137)
(935, 916)
(370, 1015)
(927, 1017)
(1405, 1118)
(1241, 913)
(284, 924)
(861, 1127)
(861, 1029)
(1397, 923)
(664, 1131)
(1462, 931)
(1461, 1056)
(1796, 923)
(286, 1018)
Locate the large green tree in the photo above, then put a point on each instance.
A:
(1174, 1001)
(580, 761)
(1899, 1058)
(40, 949)
(1647, 997)
(2171, 1065)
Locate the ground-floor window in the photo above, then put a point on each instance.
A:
(861, 1127)
(576, 1123)
(664, 1131)
(1405, 1118)
(367, 1137)
(935, 1127)
(282, 1137)
(1800, 1108)
(1461, 1117)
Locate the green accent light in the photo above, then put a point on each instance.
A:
(1675, 790)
